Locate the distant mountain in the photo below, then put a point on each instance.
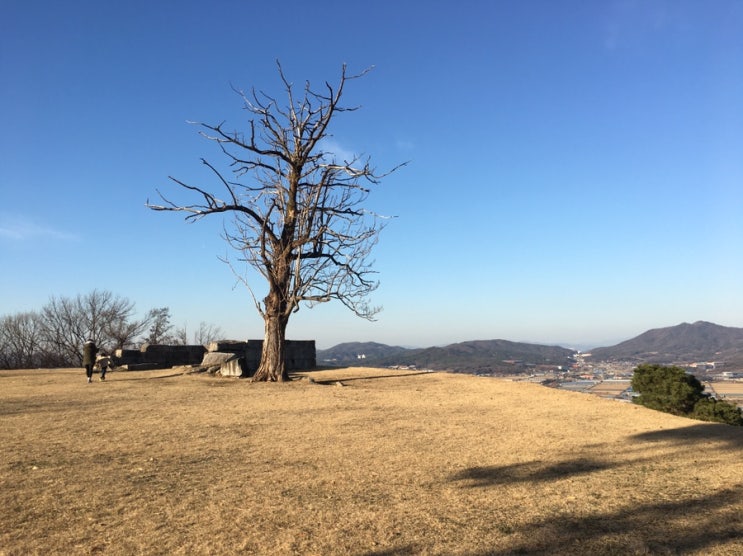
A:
(357, 353)
(700, 341)
(485, 356)
(684, 343)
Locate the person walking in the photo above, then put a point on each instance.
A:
(89, 351)
(104, 363)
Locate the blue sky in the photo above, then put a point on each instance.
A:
(575, 176)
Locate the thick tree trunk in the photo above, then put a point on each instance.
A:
(275, 317)
(273, 366)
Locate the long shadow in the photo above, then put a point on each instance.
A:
(374, 377)
(702, 432)
(396, 551)
(536, 471)
(676, 527)
(179, 373)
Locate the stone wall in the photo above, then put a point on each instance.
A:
(230, 357)
(157, 356)
(300, 354)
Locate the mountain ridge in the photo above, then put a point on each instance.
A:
(472, 356)
(698, 341)
(685, 342)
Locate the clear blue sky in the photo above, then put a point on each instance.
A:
(575, 176)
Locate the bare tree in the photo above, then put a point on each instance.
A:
(54, 336)
(65, 329)
(297, 209)
(68, 322)
(204, 334)
(180, 336)
(160, 326)
(207, 333)
(21, 342)
(124, 333)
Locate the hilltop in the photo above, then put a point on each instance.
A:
(357, 461)
(359, 353)
(700, 341)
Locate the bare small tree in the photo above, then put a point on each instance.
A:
(297, 209)
(100, 315)
(180, 336)
(160, 326)
(206, 333)
(124, 333)
(21, 342)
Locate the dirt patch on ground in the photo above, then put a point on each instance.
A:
(354, 461)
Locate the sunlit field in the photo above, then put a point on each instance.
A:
(354, 461)
(728, 390)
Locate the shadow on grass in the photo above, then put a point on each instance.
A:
(708, 520)
(336, 380)
(680, 526)
(145, 377)
(527, 472)
(702, 432)
(396, 551)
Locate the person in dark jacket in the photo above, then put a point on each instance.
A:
(89, 351)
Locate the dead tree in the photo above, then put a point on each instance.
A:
(296, 207)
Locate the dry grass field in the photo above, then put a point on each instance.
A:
(355, 461)
(609, 388)
(728, 390)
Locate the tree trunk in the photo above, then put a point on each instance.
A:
(273, 367)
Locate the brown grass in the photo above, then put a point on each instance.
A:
(388, 463)
(609, 388)
(729, 387)
(730, 391)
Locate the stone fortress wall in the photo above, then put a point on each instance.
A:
(229, 357)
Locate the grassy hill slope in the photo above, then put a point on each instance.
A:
(356, 461)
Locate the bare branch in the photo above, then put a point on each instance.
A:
(297, 212)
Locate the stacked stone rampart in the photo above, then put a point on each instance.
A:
(299, 354)
(158, 356)
(229, 357)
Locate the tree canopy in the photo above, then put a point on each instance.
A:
(672, 390)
